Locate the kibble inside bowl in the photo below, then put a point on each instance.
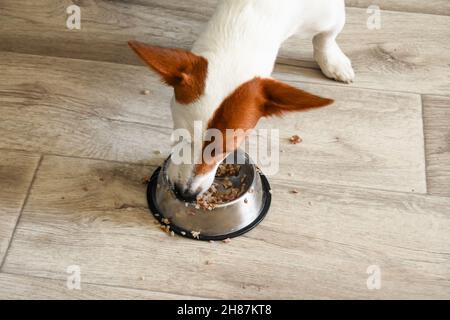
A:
(238, 199)
(231, 182)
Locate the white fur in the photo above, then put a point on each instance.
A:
(241, 42)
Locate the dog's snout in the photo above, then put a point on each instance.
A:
(185, 183)
(185, 194)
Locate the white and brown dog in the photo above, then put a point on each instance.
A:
(225, 80)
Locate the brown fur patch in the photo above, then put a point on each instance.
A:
(247, 104)
(181, 69)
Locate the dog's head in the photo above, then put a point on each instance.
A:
(203, 92)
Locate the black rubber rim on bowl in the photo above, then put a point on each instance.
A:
(151, 191)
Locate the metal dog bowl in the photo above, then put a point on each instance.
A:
(227, 220)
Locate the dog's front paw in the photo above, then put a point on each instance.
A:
(335, 65)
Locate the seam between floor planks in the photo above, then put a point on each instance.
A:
(425, 160)
(436, 143)
(286, 183)
(337, 84)
(41, 157)
(102, 285)
(49, 154)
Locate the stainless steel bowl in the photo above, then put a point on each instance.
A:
(226, 220)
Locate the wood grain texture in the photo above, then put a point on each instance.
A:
(16, 173)
(19, 287)
(365, 138)
(80, 108)
(409, 52)
(437, 136)
(314, 244)
(439, 7)
(95, 109)
(317, 243)
(106, 27)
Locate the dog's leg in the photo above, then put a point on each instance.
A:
(333, 62)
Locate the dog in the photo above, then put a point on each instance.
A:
(224, 81)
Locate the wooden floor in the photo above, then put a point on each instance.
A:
(77, 137)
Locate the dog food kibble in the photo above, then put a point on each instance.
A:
(228, 170)
(212, 198)
(145, 180)
(223, 189)
(166, 229)
(227, 183)
(295, 139)
(195, 234)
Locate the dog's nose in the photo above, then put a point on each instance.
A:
(184, 194)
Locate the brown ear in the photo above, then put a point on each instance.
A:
(280, 97)
(259, 97)
(181, 69)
